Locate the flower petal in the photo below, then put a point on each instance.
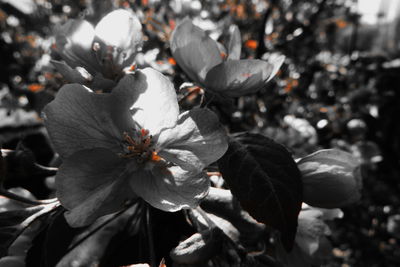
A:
(235, 43)
(331, 178)
(194, 50)
(69, 74)
(79, 119)
(239, 77)
(127, 38)
(197, 140)
(74, 41)
(153, 99)
(92, 183)
(170, 189)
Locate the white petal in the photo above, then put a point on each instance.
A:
(153, 99)
(197, 140)
(120, 29)
(170, 189)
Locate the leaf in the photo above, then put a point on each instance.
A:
(265, 179)
(57, 239)
(89, 250)
(13, 217)
(13, 223)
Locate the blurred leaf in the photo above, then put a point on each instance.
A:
(22, 170)
(266, 181)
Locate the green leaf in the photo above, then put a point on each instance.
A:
(265, 179)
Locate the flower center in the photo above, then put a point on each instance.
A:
(140, 147)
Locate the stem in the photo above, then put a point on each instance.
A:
(22, 199)
(206, 102)
(150, 238)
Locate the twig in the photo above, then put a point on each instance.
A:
(153, 262)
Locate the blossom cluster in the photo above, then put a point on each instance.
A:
(122, 135)
(131, 141)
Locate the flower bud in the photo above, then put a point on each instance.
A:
(126, 39)
(331, 178)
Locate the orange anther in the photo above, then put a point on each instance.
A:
(35, 87)
(172, 61)
(252, 44)
(144, 132)
(341, 23)
(223, 55)
(155, 157)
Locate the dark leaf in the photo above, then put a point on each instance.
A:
(56, 239)
(14, 217)
(13, 223)
(168, 229)
(89, 247)
(265, 179)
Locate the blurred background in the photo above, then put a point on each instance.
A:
(338, 88)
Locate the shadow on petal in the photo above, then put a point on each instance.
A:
(79, 119)
(74, 41)
(235, 78)
(92, 183)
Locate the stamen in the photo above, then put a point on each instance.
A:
(132, 67)
(139, 146)
(155, 157)
(144, 132)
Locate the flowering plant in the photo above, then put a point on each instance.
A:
(141, 174)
